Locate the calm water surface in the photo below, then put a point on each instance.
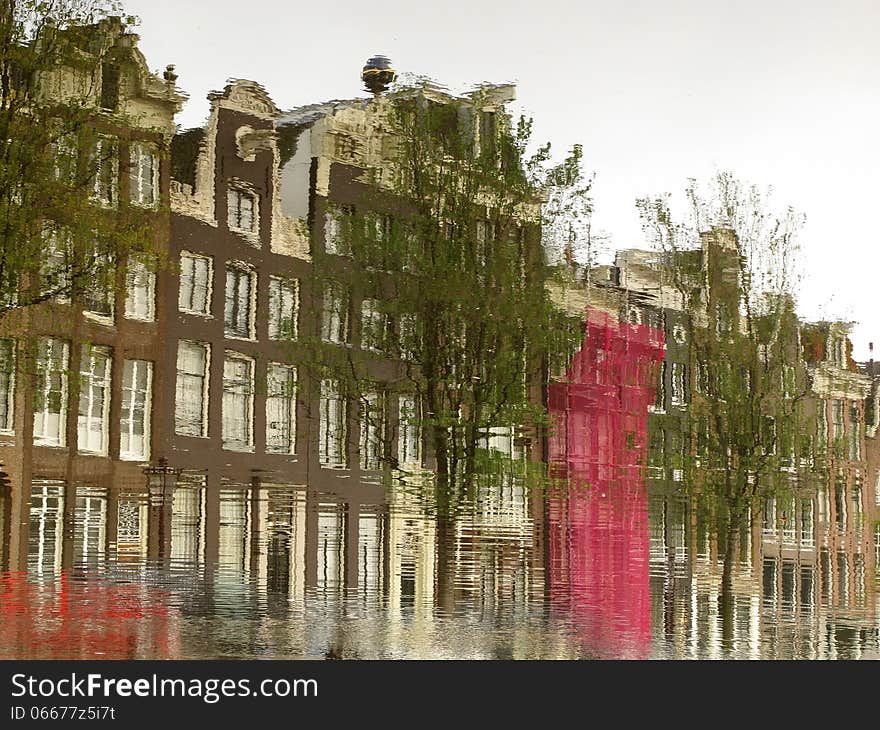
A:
(274, 571)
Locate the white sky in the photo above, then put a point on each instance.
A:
(782, 92)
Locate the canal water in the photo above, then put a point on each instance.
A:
(507, 567)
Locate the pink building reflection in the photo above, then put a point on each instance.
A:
(599, 517)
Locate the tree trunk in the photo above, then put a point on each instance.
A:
(726, 598)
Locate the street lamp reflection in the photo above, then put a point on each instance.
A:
(162, 480)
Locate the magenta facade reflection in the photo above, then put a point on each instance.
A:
(599, 544)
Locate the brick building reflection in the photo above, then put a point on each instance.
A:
(805, 575)
(598, 525)
(633, 567)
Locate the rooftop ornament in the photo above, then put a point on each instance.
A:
(378, 74)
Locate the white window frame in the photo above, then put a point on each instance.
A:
(373, 326)
(92, 380)
(769, 524)
(235, 389)
(408, 335)
(283, 308)
(372, 431)
(241, 271)
(336, 315)
(65, 156)
(332, 442)
(97, 315)
(57, 251)
(189, 306)
(140, 278)
(807, 523)
(838, 416)
(131, 527)
(484, 234)
(678, 384)
(41, 418)
(46, 514)
(129, 403)
(179, 428)
(91, 521)
(138, 153)
(334, 230)
(409, 430)
(7, 388)
(281, 391)
(234, 195)
(105, 191)
(788, 516)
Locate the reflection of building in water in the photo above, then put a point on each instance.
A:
(598, 524)
(372, 529)
(495, 556)
(802, 551)
(803, 576)
(187, 519)
(75, 372)
(46, 525)
(791, 590)
(90, 519)
(412, 551)
(204, 361)
(285, 541)
(845, 508)
(234, 532)
(131, 526)
(332, 520)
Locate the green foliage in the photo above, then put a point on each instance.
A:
(63, 228)
(450, 255)
(733, 264)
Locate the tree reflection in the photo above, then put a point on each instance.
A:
(746, 426)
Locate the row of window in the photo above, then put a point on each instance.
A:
(380, 227)
(191, 410)
(193, 359)
(98, 301)
(51, 397)
(240, 301)
(679, 380)
(790, 520)
(378, 330)
(679, 383)
(143, 173)
(192, 394)
(333, 431)
(194, 295)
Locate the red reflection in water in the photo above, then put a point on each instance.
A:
(599, 544)
(68, 618)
